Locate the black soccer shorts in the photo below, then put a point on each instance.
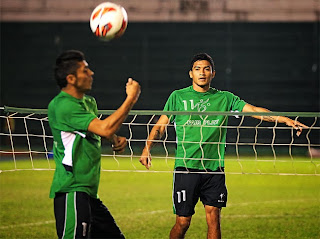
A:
(80, 216)
(189, 187)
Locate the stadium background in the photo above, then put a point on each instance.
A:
(267, 52)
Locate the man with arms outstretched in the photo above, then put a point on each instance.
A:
(199, 163)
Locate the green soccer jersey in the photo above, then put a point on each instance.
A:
(201, 138)
(77, 152)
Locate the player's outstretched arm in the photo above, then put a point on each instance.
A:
(281, 119)
(155, 134)
(109, 126)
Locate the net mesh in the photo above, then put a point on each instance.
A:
(252, 146)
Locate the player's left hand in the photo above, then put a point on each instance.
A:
(119, 143)
(297, 126)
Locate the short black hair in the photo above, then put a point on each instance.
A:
(202, 57)
(67, 63)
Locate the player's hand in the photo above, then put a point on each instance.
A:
(145, 158)
(119, 143)
(133, 90)
(296, 125)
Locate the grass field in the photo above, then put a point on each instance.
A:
(259, 206)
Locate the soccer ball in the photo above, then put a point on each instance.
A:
(108, 21)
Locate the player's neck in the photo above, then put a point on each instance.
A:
(73, 92)
(201, 89)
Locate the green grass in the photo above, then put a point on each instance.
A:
(259, 206)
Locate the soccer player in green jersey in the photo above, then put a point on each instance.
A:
(192, 160)
(77, 133)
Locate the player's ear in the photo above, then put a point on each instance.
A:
(190, 74)
(71, 79)
(213, 74)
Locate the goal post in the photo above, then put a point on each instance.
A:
(251, 146)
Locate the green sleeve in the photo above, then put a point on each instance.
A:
(237, 104)
(73, 116)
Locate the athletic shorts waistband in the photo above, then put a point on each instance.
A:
(183, 169)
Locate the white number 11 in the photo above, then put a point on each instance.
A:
(184, 196)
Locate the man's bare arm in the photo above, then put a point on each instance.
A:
(155, 134)
(280, 119)
(109, 126)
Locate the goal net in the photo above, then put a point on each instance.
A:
(251, 147)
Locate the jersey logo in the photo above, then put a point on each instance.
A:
(201, 106)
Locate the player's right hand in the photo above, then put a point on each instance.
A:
(145, 158)
(119, 143)
(133, 90)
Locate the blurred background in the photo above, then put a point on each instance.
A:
(265, 51)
